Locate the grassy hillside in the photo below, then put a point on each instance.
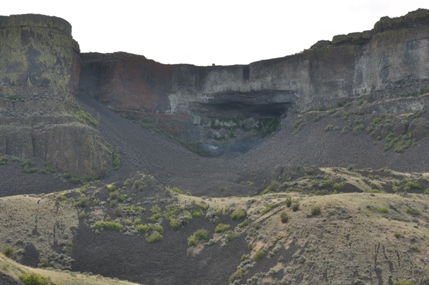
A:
(15, 270)
(312, 225)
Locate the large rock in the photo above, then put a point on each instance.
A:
(184, 99)
(39, 73)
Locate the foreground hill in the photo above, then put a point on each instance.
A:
(288, 234)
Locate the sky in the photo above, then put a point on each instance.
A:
(204, 32)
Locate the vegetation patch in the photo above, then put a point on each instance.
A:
(196, 237)
(108, 225)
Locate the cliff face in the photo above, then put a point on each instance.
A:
(39, 72)
(222, 106)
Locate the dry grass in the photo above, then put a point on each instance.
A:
(14, 269)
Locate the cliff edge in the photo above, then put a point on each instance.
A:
(229, 108)
(39, 67)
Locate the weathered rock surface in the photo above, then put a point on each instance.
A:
(39, 67)
(185, 100)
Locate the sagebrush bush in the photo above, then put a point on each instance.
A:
(237, 215)
(413, 212)
(220, 228)
(83, 201)
(33, 279)
(49, 167)
(154, 237)
(316, 210)
(196, 237)
(295, 206)
(338, 186)
(258, 255)
(284, 217)
(174, 224)
(403, 282)
(268, 207)
(108, 225)
(288, 201)
(230, 235)
(9, 251)
(143, 228)
(237, 275)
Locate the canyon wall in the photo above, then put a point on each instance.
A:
(39, 73)
(196, 103)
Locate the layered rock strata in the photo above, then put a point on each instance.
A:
(39, 72)
(223, 106)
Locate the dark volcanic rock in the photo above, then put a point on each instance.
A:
(7, 280)
(185, 100)
(39, 68)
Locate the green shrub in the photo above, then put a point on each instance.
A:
(139, 185)
(284, 217)
(108, 225)
(298, 125)
(415, 248)
(258, 255)
(196, 237)
(237, 215)
(33, 279)
(122, 198)
(230, 235)
(237, 275)
(116, 161)
(85, 116)
(220, 228)
(383, 210)
(288, 201)
(174, 190)
(143, 228)
(75, 179)
(111, 188)
(27, 166)
(154, 237)
(295, 206)
(243, 224)
(413, 185)
(329, 128)
(398, 235)
(114, 195)
(268, 207)
(274, 186)
(197, 213)
(155, 216)
(49, 167)
(61, 197)
(9, 251)
(316, 210)
(83, 201)
(3, 160)
(338, 186)
(403, 282)
(174, 224)
(413, 212)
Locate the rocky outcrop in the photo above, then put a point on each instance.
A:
(191, 102)
(39, 72)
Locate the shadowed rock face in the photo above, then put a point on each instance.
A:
(39, 72)
(184, 100)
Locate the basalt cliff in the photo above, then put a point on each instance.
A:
(39, 77)
(221, 108)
